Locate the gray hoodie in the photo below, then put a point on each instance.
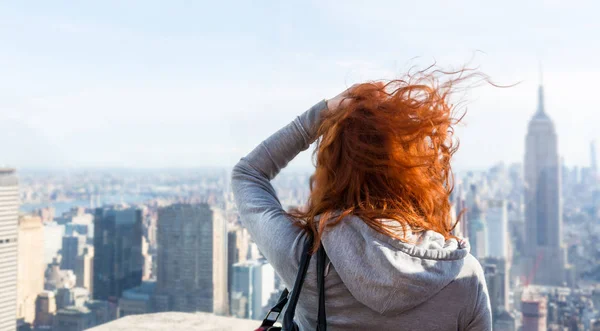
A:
(373, 282)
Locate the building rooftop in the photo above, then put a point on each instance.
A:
(73, 310)
(176, 321)
(46, 294)
(6, 171)
(142, 292)
(8, 177)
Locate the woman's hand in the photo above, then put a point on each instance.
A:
(340, 100)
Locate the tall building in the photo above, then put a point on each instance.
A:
(233, 257)
(497, 227)
(147, 269)
(84, 269)
(220, 274)
(497, 280)
(544, 249)
(253, 283)
(45, 308)
(31, 266)
(534, 310)
(9, 208)
(72, 248)
(53, 234)
(185, 277)
(478, 232)
(118, 258)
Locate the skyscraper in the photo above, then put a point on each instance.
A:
(497, 227)
(220, 274)
(84, 269)
(535, 311)
(185, 258)
(53, 234)
(543, 206)
(9, 207)
(45, 308)
(117, 251)
(253, 283)
(477, 227)
(31, 266)
(72, 248)
(496, 277)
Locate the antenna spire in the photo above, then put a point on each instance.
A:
(541, 109)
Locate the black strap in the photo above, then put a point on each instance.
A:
(321, 259)
(274, 313)
(292, 301)
(288, 318)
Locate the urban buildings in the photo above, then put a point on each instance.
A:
(53, 234)
(72, 248)
(45, 308)
(9, 208)
(84, 269)
(73, 318)
(253, 284)
(574, 307)
(219, 260)
(118, 258)
(477, 227)
(31, 266)
(137, 300)
(55, 278)
(497, 227)
(544, 248)
(535, 310)
(497, 275)
(186, 252)
(76, 296)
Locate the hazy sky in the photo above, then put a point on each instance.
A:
(199, 83)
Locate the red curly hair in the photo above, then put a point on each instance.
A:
(386, 155)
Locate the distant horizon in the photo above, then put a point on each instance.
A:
(294, 169)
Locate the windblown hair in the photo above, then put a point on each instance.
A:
(385, 155)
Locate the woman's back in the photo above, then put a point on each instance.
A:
(380, 283)
(374, 281)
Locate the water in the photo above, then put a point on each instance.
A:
(64, 206)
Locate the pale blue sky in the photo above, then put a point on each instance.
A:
(199, 83)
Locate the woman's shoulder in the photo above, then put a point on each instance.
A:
(471, 271)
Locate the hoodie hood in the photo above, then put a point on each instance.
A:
(388, 275)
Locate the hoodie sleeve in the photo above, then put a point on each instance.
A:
(259, 208)
(482, 311)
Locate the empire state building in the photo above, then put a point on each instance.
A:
(545, 256)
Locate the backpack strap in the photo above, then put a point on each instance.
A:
(288, 318)
(321, 260)
(292, 300)
(274, 313)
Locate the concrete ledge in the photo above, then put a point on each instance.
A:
(176, 321)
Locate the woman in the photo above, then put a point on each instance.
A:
(379, 205)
